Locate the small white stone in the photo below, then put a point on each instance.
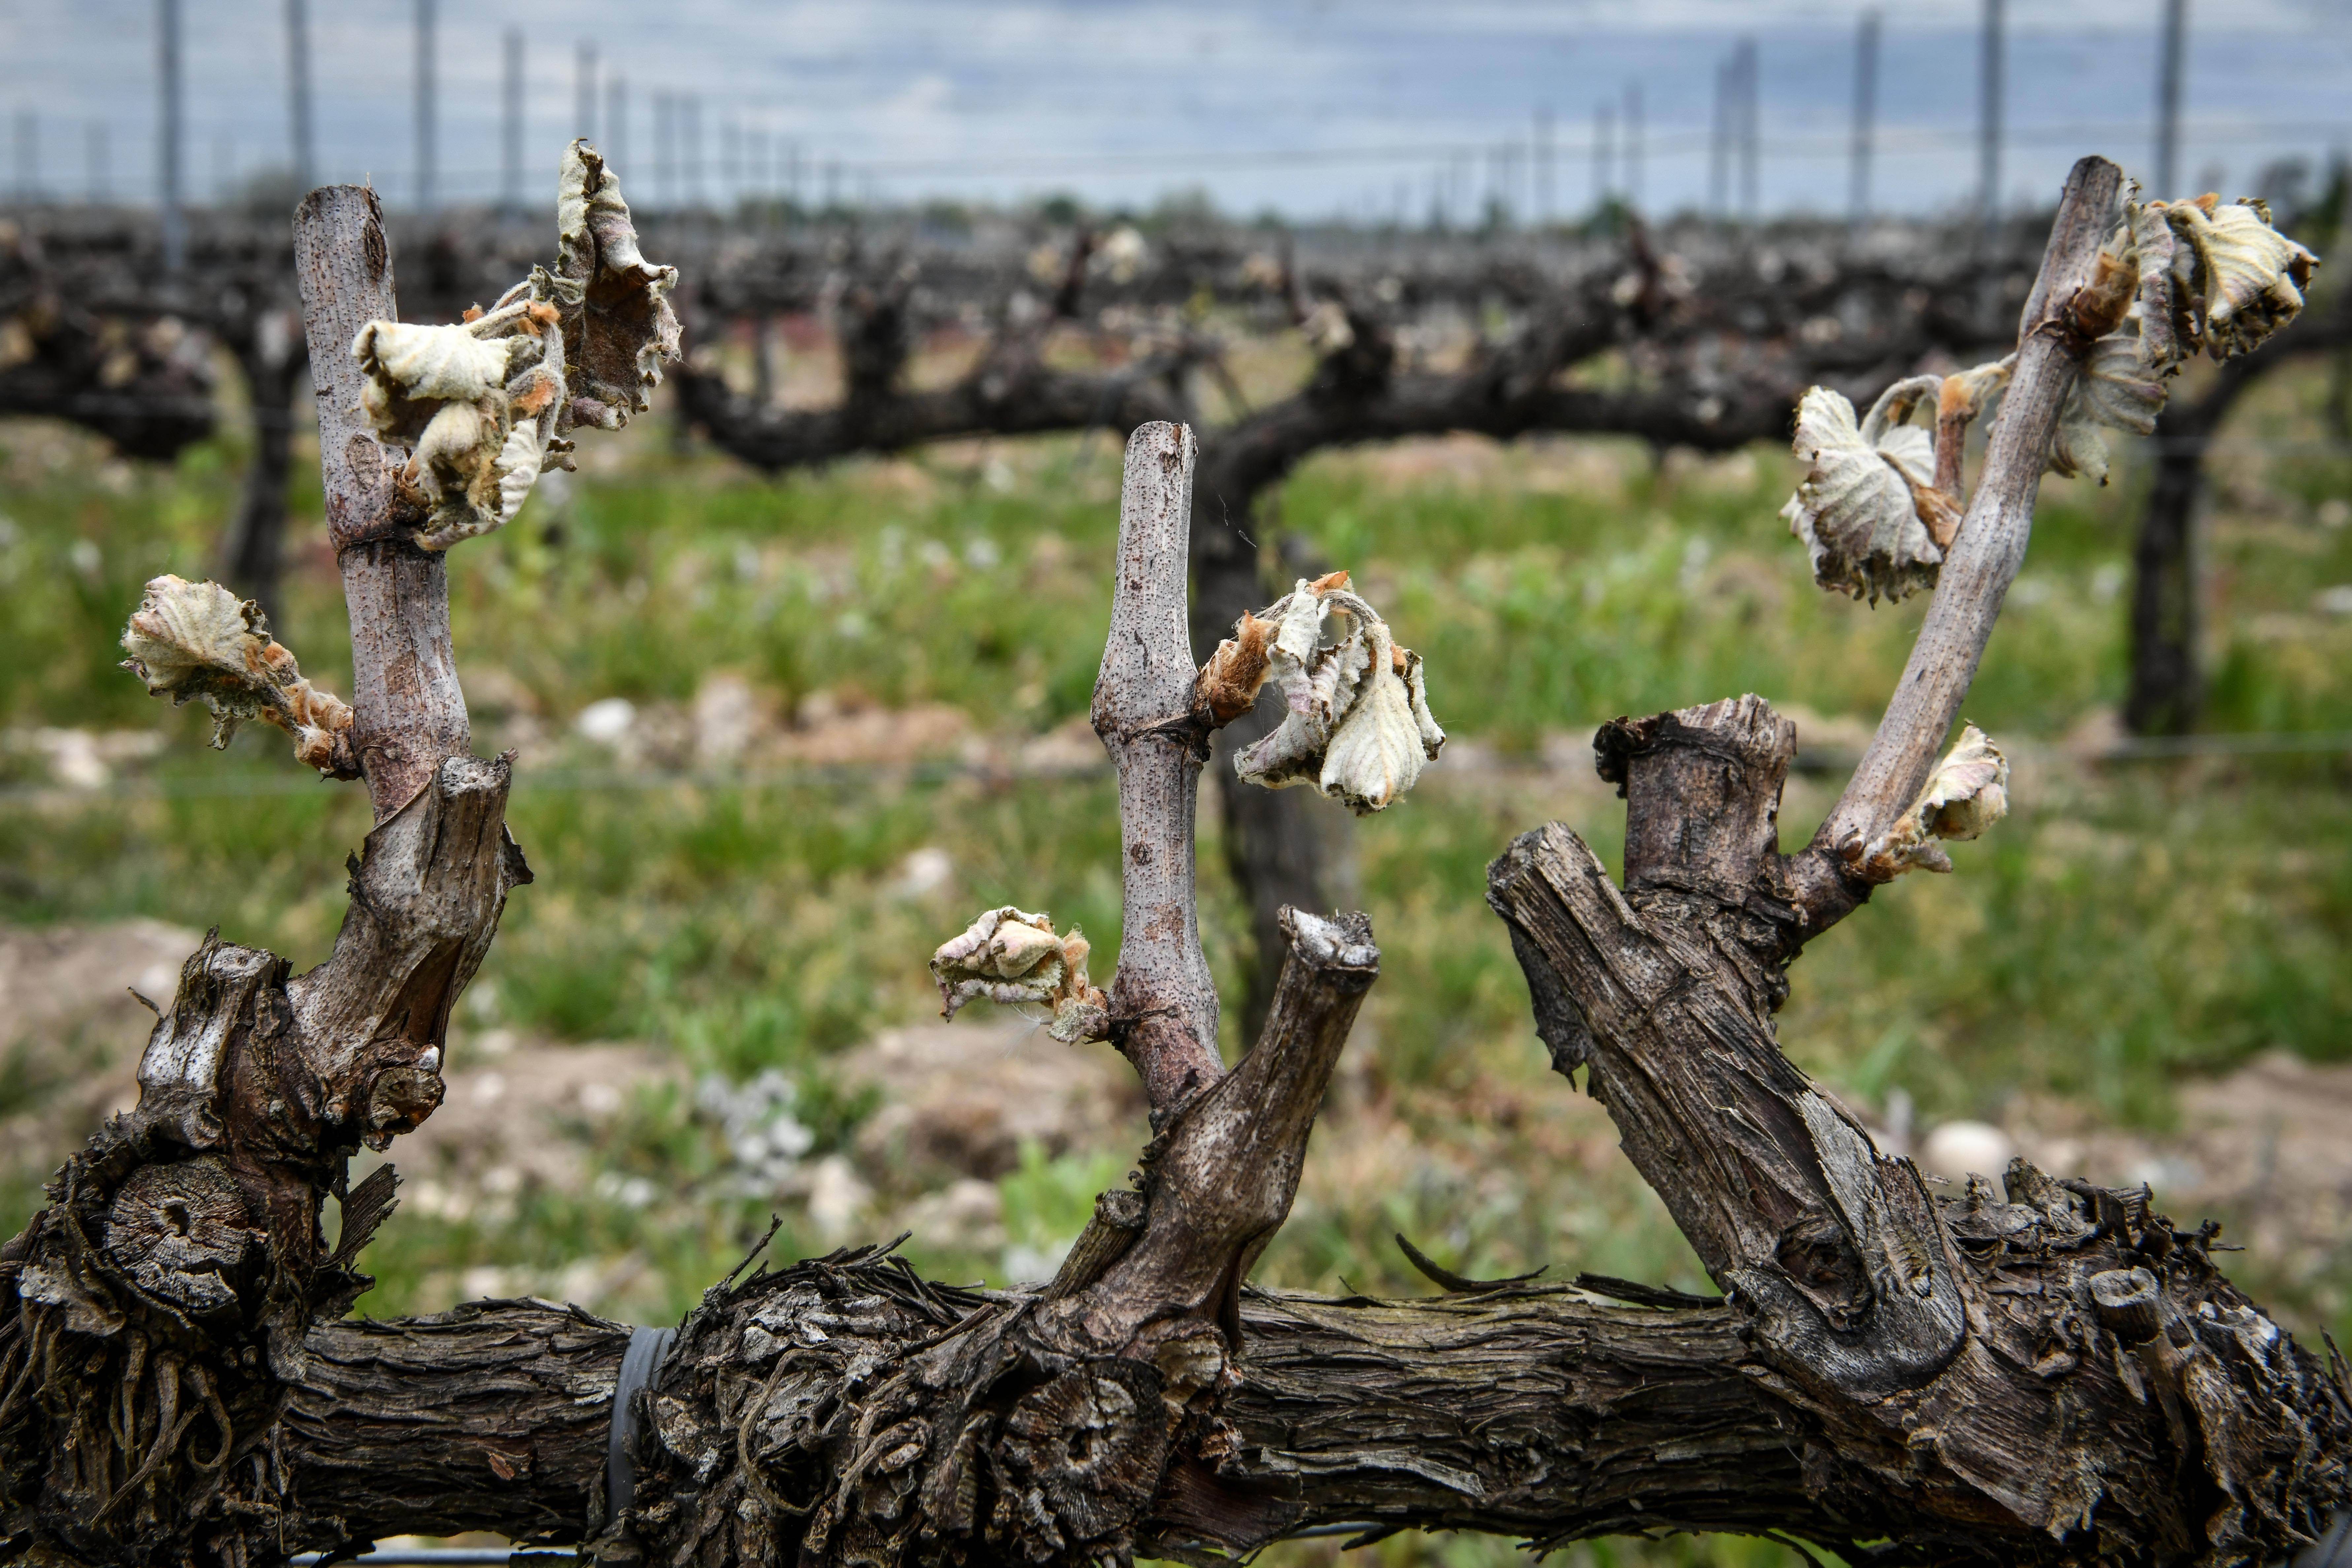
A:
(484, 1282)
(923, 872)
(837, 1196)
(1958, 1150)
(606, 721)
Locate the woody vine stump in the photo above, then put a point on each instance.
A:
(2046, 1373)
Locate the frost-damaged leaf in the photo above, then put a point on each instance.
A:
(2239, 279)
(1971, 392)
(2144, 242)
(478, 404)
(1967, 793)
(1868, 508)
(199, 642)
(483, 405)
(1358, 727)
(1012, 957)
(2119, 390)
(1229, 683)
(618, 326)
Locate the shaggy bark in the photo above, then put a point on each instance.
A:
(493, 1416)
(2050, 1374)
(1545, 1412)
(1955, 1353)
(159, 1308)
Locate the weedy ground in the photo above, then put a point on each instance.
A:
(838, 683)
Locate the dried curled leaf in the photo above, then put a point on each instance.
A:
(1229, 683)
(618, 326)
(483, 405)
(477, 402)
(199, 642)
(1012, 957)
(412, 371)
(2145, 241)
(1358, 727)
(2119, 389)
(1967, 793)
(1971, 392)
(2239, 279)
(1868, 508)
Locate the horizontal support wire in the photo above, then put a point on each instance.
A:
(1892, 140)
(444, 1557)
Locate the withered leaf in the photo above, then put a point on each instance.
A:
(1358, 727)
(198, 642)
(1865, 506)
(1012, 957)
(618, 325)
(1967, 794)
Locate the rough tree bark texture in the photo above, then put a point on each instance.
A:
(1956, 1354)
(2047, 1373)
(160, 1307)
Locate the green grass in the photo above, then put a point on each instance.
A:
(2119, 930)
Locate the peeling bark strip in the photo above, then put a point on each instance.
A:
(492, 1416)
(2048, 1374)
(1546, 1412)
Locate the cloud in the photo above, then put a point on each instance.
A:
(1003, 99)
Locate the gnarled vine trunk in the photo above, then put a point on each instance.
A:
(2048, 1373)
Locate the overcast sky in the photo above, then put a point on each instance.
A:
(1343, 106)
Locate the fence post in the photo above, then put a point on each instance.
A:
(1865, 116)
(167, 140)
